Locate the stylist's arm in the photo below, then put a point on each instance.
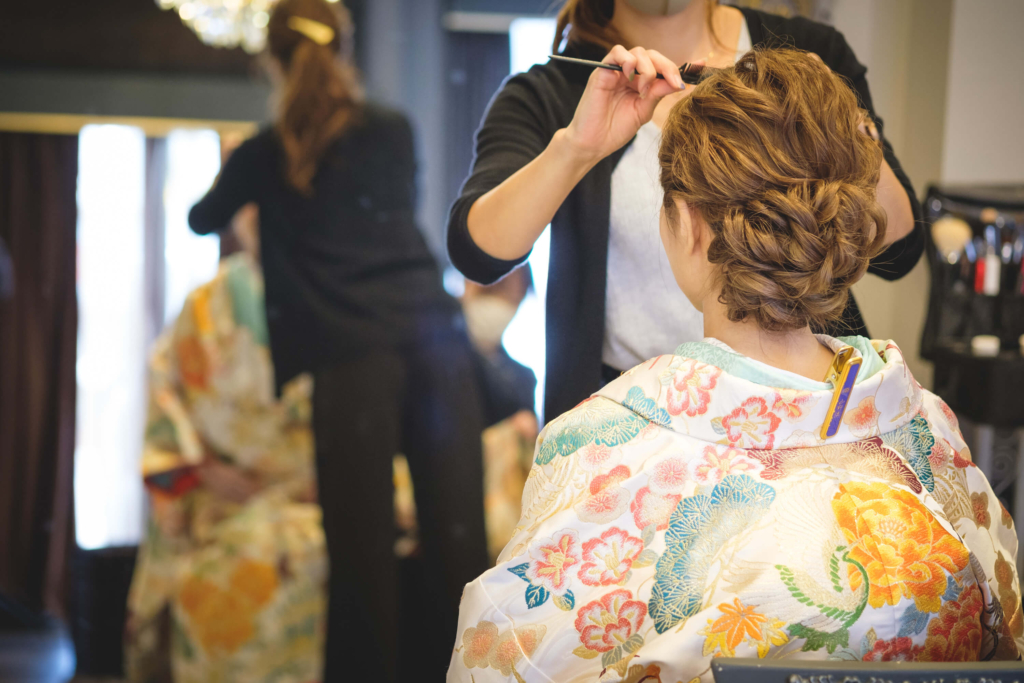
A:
(894, 201)
(507, 220)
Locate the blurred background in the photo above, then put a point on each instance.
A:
(113, 116)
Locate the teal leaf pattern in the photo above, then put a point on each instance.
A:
(913, 622)
(536, 596)
(616, 654)
(914, 441)
(520, 571)
(952, 590)
(566, 602)
(698, 528)
(637, 401)
(598, 420)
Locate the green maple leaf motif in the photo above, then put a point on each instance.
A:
(816, 640)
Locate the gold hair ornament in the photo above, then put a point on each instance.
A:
(321, 34)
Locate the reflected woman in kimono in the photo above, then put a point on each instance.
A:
(231, 576)
(767, 492)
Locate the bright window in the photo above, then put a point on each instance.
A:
(193, 161)
(112, 338)
(529, 44)
(111, 335)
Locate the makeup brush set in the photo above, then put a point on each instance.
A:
(977, 263)
(974, 331)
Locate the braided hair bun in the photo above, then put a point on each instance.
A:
(768, 154)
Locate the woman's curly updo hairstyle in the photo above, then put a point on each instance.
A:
(768, 154)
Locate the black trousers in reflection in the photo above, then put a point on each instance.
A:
(423, 402)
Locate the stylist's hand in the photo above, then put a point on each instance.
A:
(615, 104)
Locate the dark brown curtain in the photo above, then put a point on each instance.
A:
(38, 331)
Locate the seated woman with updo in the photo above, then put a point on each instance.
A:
(767, 492)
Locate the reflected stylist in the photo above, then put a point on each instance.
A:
(577, 148)
(354, 296)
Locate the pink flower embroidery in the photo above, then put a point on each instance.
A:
(950, 416)
(551, 560)
(607, 623)
(603, 481)
(607, 559)
(752, 425)
(713, 466)
(863, 420)
(689, 387)
(669, 476)
(940, 455)
(604, 506)
(607, 500)
(963, 459)
(791, 405)
(594, 457)
(653, 508)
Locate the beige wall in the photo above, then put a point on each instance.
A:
(947, 76)
(984, 135)
(905, 45)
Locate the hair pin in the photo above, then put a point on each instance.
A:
(321, 34)
(842, 375)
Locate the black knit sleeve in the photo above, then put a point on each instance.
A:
(901, 256)
(515, 130)
(235, 187)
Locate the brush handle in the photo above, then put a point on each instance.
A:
(690, 73)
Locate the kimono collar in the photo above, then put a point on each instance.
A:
(716, 399)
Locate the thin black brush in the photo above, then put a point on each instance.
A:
(690, 73)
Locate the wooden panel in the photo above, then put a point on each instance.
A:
(127, 35)
(71, 124)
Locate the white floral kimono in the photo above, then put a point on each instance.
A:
(686, 512)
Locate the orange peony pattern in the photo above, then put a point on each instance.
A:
(224, 618)
(901, 545)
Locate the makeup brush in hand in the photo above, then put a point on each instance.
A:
(690, 73)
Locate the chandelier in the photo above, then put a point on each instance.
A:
(226, 23)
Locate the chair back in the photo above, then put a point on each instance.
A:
(729, 670)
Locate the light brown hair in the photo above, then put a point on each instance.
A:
(589, 21)
(322, 94)
(768, 154)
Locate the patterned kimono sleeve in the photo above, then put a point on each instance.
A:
(986, 527)
(491, 647)
(551, 486)
(172, 448)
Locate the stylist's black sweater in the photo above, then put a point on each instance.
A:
(346, 270)
(520, 122)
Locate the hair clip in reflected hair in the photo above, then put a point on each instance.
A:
(321, 34)
(842, 375)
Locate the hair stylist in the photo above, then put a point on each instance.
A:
(577, 148)
(354, 296)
